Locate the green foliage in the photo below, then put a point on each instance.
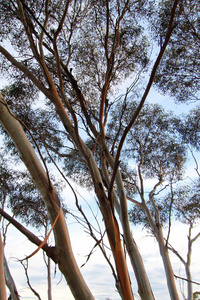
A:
(187, 204)
(178, 73)
(18, 193)
(154, 140)
(196, 296)
(190, 128)
(7, 180)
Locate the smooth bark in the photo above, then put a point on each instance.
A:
(158, 232)
(167, 266)
(189, 282)
(66, 260)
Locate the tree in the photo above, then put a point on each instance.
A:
(155, 148)
(52, 46)
(158, 143)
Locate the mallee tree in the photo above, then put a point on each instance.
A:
(65, 62)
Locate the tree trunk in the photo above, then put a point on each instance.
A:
(2, 276)
(10, 282)
(66, 260)
(189, 282)
(112, 228)
(167, 266)
(158, 233)
(144, 287)
(49, 278)
(187, 265)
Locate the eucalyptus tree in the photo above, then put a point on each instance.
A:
(76, 53)
(157, 146)
(155, 151)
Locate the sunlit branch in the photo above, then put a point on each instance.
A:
(135, 201)
(99, 242)
(196, 163)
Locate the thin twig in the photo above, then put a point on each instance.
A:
(182, 278)
(28, 280)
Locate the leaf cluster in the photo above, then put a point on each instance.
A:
(178, 73)
(186, 203)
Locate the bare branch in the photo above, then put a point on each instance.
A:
(135, 201)
(26, 71)
(50, 251)
(185, 279)
(195, 160)
(25, 266)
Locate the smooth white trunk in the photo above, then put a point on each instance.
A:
(66, 260)
(189, 283)
(167, 266)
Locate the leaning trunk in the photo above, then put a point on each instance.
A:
(167, 266)
(66, 260)
(10, 282)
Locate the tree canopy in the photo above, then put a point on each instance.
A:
(67, 110)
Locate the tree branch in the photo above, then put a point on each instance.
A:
(50, 251)
(150, 82)
(182, 278)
